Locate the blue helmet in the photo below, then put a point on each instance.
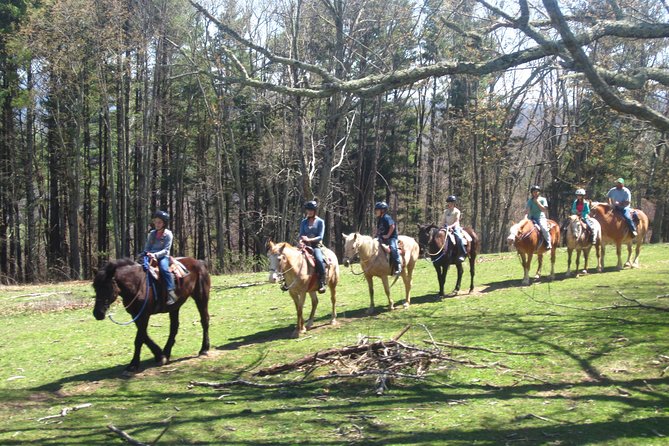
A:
(311, 205)
(381, 205)
(535, 187)
(164, 216)
(451, 199)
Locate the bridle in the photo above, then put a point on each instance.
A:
(281, 274)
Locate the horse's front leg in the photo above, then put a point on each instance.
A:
(142, 337)
(553, 252)
(458, 265)
(619, 248)
(333, 299)
(569, 253)
(386, 288)
(314, 305)
(299, 305)
(441, 278)
(526, 260)
(370, 286)
(174, 329)
(540, 263)
(578, 259)
(629, 255)
(406, 278)
(586, 256)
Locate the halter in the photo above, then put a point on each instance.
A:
(356, 247)
(146, 296)
(282, 277)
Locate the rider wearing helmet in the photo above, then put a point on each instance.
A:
(537, 209)
(158, 245)
(451, 222)
(620, 198)
(312, 231)
(581, 207)
(386, 232)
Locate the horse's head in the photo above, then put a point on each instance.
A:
(424, 234)
(276, 259)
(513, 235)
(106, 288)
(351, 246)
(574, 226)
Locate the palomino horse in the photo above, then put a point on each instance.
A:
(527, 240)
(444, 253)
(127, 278)
(615, 231)
(374, 262)
(579, 239)
(291, 266)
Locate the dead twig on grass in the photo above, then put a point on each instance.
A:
(126, 436)
(66, 411)
(489, 350)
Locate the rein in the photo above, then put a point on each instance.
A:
(146, 297)
(285, 287)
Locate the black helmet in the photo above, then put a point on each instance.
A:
(381, 205)
(535, 187)
(451, 199)
(164, 216)
(311, 205)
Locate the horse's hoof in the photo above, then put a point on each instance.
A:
(599, 270)
(203, 353)
(471, 290)
(295, 334)
(334, 322)
(525, 282)
(161, 360)
(584, 272)
(131, 370)
(537, 277)
(370, 311)
(567, 274)
(308, 325)
(391, 308)
(406, 305)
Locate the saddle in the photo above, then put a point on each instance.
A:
(176, 267)
(308, 253)
(466, 238)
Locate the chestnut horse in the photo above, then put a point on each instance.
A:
(615, 231)
(128, 279)
(374, 262)
(526, 238)
(290, 265)
(579, 239)
(443, 253)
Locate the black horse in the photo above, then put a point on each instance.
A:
(128, 279)
(438, 247)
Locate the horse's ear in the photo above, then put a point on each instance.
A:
(355, 236)
(344, 235)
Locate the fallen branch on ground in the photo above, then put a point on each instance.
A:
(65, 411)
(470, 347)
(639, 304)
(125, 436)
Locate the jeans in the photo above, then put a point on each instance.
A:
(394, 251)
(457, 230)
(627, 215)
(543, 226)
(164, 267)
(320, 263)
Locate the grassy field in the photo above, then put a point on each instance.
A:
(598, 374)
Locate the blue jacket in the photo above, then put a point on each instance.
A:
(159, 246)
(383, 224)
(317, 230)
(586, 208)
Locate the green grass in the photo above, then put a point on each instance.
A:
(599, 380)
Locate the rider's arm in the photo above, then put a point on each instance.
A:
(390, 231)
(167, 236)
(574, 211)
(541, 206)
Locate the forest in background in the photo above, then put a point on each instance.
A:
(229, 114)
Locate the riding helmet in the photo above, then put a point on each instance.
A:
(311, 205)
(164, 216)
(580, 192)
(535, 187)
(451, 199)
(381, 205)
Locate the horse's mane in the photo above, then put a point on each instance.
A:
(595, 204)
(106, 273)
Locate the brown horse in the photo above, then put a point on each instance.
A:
(128, 279)
(290, 265)
(443, 253)
(615, 231)
(374, 262)
(578, 239)
(526, 238)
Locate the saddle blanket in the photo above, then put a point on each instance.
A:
(176, 267)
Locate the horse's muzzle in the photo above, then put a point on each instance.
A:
(99, 314)
(347, 262)
(273, 277)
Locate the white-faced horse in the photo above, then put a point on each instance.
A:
(374, 262)
(580, 240)
(291, 266)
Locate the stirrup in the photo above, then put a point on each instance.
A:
(172, 297)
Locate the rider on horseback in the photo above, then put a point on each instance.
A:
(386, 232)
(451, 221)
(312, 231)
(158, 245)
(581, 207)
(537, 208)
(619, 200)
